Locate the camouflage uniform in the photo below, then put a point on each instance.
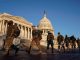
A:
(9, 37)
(50, 39)
(78, 44)
(60, 40)
(36, 37)
(66, 40)
(16, 40)
(73, 42)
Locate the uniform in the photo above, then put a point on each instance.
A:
(50, 39)
(36, 37)
(60, 40)
(9, 37)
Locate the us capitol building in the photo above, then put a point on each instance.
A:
(26, 27)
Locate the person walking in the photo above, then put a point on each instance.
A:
(36, 37)
(50, 39)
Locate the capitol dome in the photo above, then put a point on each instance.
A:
(45, 24)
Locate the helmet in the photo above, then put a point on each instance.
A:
(58, 32)
(49, 32)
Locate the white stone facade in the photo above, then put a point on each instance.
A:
(24, 26)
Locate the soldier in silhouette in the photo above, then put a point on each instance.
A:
(50, 39)
(66, 40)
(78, 44)
(9, 37)
(16, 41)
(12, 32)
(36, 37)
(73, 42)
(60, 40)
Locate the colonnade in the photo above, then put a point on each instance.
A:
(25, 31)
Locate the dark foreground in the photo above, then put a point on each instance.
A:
(22, 55)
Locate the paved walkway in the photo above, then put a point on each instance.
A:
(22, 55)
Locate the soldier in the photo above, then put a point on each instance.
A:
(50, 39)
(67, 41)
(73, 41)
(9, 37)
(36, 37)
(78, 44)
(16, 41)
(60, 40)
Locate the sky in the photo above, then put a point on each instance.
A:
(63, 14)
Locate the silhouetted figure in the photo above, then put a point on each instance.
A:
(50, 39)
(16, 40)
(9, 37)
(78, 44)
(63, 46)
(60, 40)
(67, 42)
(36, 37)
(12, 32)
(73, 42)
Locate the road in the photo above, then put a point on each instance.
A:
(22, 55)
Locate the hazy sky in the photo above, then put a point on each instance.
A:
(63, 14)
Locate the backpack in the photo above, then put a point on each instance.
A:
(37, 34)
(60, 38)
(50, 36)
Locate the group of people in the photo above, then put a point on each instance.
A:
(63, 42)
(13, 32)
(37, 36)
(67, 43)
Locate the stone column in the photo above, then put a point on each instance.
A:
(25, 32)
(19, 26)
(31, 33)
(0, 26)
(22, 31)
(21, 34)
(3, 27)
(28, 33)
